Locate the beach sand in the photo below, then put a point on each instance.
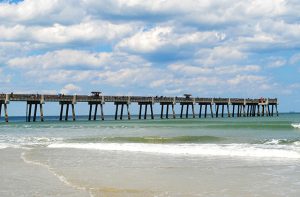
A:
(20, 178)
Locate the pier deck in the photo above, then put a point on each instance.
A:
(245, 107)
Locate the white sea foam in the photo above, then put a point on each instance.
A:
(297, 125)
(231, 150)
(12, 140)
(273, 141)
(5, 145)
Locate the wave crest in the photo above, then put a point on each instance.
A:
(231, 150)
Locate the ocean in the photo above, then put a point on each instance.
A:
(247, 156)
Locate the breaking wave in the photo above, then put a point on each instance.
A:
(297, 125)
(231, 150)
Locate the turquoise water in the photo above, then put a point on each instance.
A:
(257, 156)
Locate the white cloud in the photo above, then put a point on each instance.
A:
(220, 70)
(220, 55)
(72, 59)
(70, 89)
(166, 38)
(59, 59)
(58, 34)
(247, 79)
(277, 62)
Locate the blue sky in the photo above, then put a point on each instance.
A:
(208, 48)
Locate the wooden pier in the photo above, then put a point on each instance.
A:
(214, 107)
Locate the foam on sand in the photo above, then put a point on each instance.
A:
(231, 150)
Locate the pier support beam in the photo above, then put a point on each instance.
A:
(205, 109)
(258, 110)
(94, 105)
(167, 106)
(228, 111)
(66, 117)
(187, 109)
(223, 111)
(29, 106)
(4, 105)
(122, 110)
(141, 104)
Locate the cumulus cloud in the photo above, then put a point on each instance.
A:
(59, 59)
(220, 70)
(58, 34)
(206, 47)
(70, 89)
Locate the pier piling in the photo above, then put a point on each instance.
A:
(95, 106)
(29, 106)
(146, 109)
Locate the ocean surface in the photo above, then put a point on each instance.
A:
(254, 156)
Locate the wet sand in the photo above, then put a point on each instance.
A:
(20, 178)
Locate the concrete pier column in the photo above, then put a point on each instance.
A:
(145, 115)
(6, 113)
(211, 110)
(61, 111)
(276, 110)
(67, 112)
(167, 113)
(238, 111)
(193, 110)
(128, 112)
(263, 110)
(140, 112)
(217, 111)
(116, 113)
(187, 111)
(122, 108)
(269, 112)
(41, 113)
(90, 112)
(248, 110)
(162, 111)
(0, 109)
(102, 113)
(73, 112)
(258, 110)
(228, 111)
(181, 111)
(205, 111)
(200, 110)
(272, 110)
(222, 111)
(95, 112)
(35, 111)
(173, 111)
(29, 113)
(233, 107)
(244, 110)
(151, 109)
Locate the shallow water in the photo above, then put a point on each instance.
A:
(181, 157)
